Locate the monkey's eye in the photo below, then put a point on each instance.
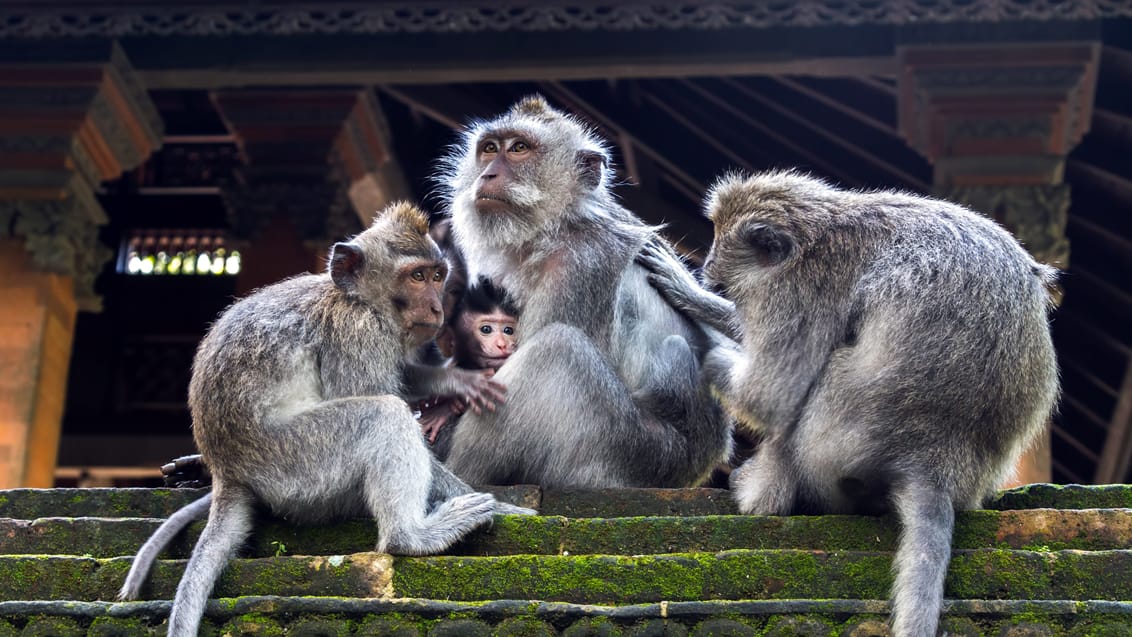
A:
(418, 275)
(519, 146)
(438, 276)
(489, 147)
(509, 331)
(485, 329)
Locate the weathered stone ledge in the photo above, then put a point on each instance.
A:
(1038, 529)
(155, 503)
(597, 579)
(335, 616)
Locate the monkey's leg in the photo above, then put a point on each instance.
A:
(767, 483)
(445, 485)
(157, 542)
(674, 399)
(928, 519)
(229, 523)
(398, 474)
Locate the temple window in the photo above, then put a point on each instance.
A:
(177, 252)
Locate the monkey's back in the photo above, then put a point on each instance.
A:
(278, 352)
(949, 361)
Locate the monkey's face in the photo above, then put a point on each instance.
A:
(521, 172)
(397, 268)
(506, 160)
(485, 341)
(418, 296)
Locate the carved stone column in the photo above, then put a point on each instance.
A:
(316, 168)
(69, 119)
(997, 123)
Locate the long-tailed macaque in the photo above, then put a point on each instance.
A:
(895, 352)
(606, 389)
(297, 404)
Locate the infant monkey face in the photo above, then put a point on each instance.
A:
(491, 337)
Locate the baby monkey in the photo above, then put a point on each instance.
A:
(479, 336)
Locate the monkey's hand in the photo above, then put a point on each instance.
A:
(681, 290)
(186, 472)
(436, 414)
(476, 388)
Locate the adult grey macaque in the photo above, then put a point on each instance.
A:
(895, 351)
(606, 389)
(297, 404)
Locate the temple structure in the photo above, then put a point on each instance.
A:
(157, 160)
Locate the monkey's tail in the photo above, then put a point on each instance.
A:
(927, 516)
(157, 542)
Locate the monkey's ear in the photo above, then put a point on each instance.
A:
(346, 263)
(770, 245)
(590, 164)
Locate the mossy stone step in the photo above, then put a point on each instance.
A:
(1042, 529)
(736, 574)
(158, 503)
(276, 615)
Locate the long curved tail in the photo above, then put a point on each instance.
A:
(927, 516)
(157, 542)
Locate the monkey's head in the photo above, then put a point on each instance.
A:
(395, 267)
(524, 172)
(484, 327)
(764, 221)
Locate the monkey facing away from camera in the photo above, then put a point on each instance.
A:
(606, 389)
(894, 348)
(296, 398)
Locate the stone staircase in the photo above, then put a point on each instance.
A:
(1043, 560)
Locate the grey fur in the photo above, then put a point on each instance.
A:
(606, 388)
(895, 352)
(296, 398)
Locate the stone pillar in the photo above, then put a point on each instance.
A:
(69, 119)
(997, 123)
(316, 168)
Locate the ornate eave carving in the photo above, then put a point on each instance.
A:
(305, 154)
(1001, 101)
(67, 126)
(287, 18)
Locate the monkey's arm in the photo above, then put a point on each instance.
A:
(476, 388)
(683, 292)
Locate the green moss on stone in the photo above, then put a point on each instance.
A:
(797, 626)
(524, 627)
(319, 626)
(998, 574)
(1104, 628)
(48, 626)
(1069, 496)
(592, 626)
(117, 627)
(253, 624)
